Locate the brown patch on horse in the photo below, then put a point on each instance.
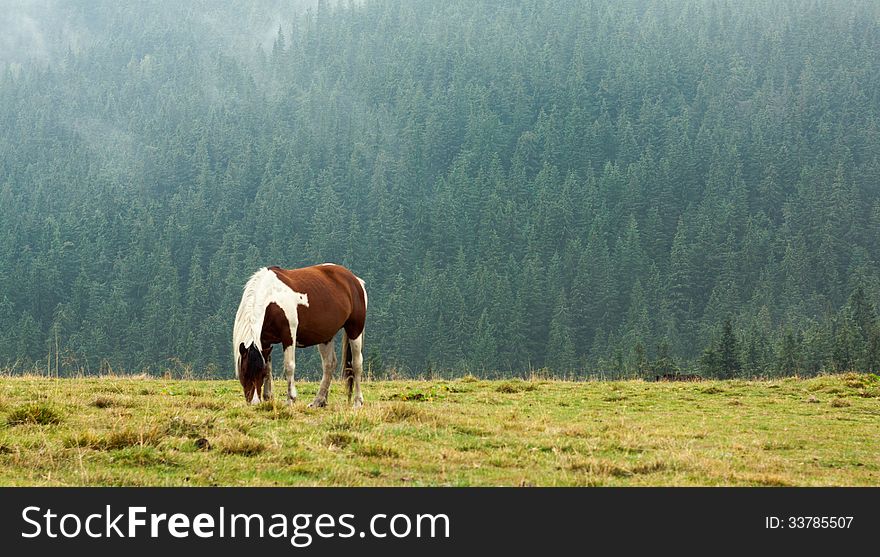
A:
(327, 312)
(275, 327)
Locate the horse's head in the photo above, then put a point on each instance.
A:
(252, 372)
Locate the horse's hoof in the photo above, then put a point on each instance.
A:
(357, 403)
(291, 401)
(318, 403)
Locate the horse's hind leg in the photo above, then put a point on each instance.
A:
(267, 383)
(356, 346)
(328, 364)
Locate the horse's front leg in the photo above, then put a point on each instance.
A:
(328, 364)
(267, 383)
(289, 367)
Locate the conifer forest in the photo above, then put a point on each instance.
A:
(582, 188)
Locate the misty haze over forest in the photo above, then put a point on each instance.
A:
(599, 188)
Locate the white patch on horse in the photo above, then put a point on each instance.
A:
(263, 288)
(364, 288)
(256, 399)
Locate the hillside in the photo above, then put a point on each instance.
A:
(591, 187)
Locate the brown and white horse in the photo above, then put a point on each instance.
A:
(298, 308)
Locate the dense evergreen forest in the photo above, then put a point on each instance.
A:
(598, 188)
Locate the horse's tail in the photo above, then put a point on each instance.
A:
(347, 367)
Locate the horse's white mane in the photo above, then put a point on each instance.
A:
(262, 289)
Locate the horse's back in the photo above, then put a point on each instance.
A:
(336, 299)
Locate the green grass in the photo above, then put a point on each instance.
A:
(150, 431)
(34, 413)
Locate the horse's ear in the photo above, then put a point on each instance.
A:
(241, 349)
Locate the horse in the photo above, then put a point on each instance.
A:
(299, 308)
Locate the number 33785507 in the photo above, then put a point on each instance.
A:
(809, 522)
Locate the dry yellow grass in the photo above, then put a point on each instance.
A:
(150, 431)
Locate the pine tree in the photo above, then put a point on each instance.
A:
(710, 363)
(789, 355)
(560, 345)
(484, 351)
(847, 344)
(639, 359)
(728, 352)
(871, 361)
(663, 363)
(861, 312)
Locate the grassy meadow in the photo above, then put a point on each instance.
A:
(465, 432)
